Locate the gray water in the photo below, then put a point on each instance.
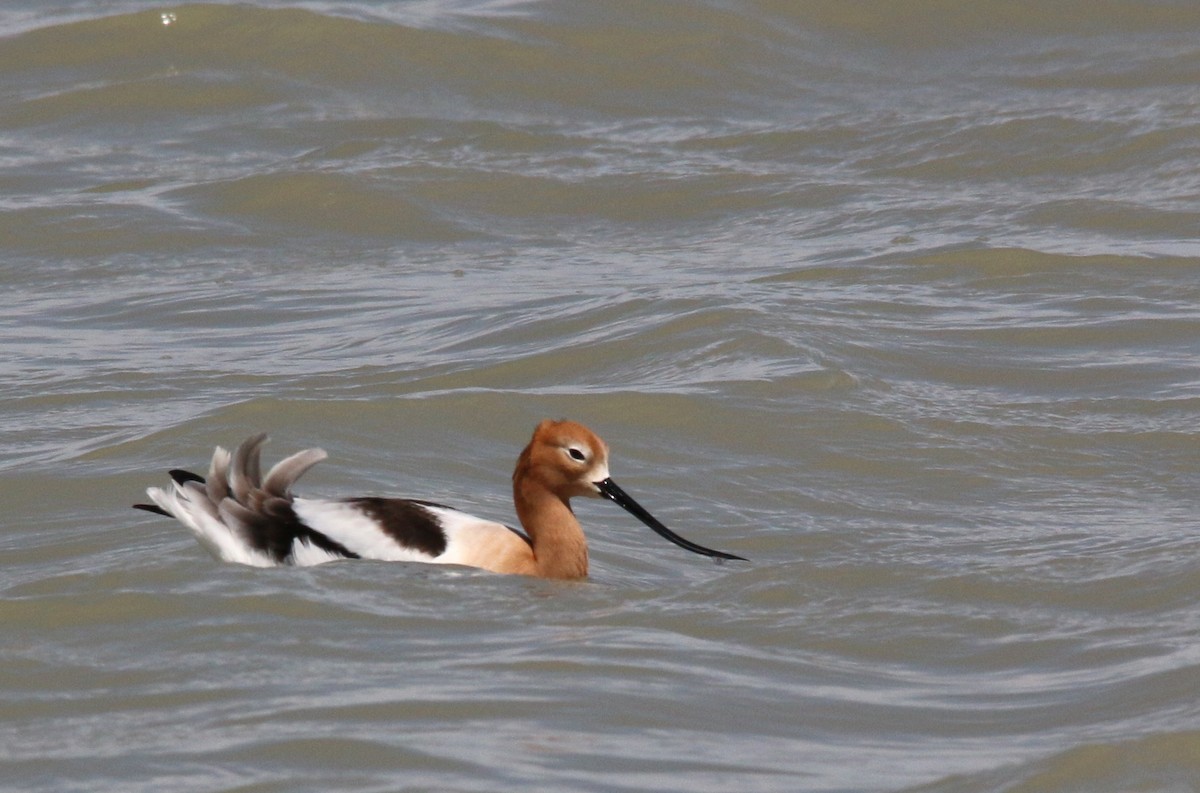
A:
(901, 301)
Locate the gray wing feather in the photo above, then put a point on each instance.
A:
(217, 483)
(245, 474)
(284, 473)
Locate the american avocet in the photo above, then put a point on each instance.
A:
(242, 516)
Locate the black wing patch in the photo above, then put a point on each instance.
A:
(408, 522)
(181, 476)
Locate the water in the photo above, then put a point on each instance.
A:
(899, 301)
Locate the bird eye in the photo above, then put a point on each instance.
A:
(576, 453)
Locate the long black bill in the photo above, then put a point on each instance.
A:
(608, 488)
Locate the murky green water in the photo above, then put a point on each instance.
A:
(900, 303)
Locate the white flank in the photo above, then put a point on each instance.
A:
(305, 554)
(463, 533)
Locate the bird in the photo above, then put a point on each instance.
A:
(244, 517)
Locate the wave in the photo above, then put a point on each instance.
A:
(1159, 763)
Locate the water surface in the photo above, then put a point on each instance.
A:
(899, 303)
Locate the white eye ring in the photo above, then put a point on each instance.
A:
(576, 454)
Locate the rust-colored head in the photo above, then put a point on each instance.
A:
(566, 458)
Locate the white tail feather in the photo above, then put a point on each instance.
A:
(191, 507)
